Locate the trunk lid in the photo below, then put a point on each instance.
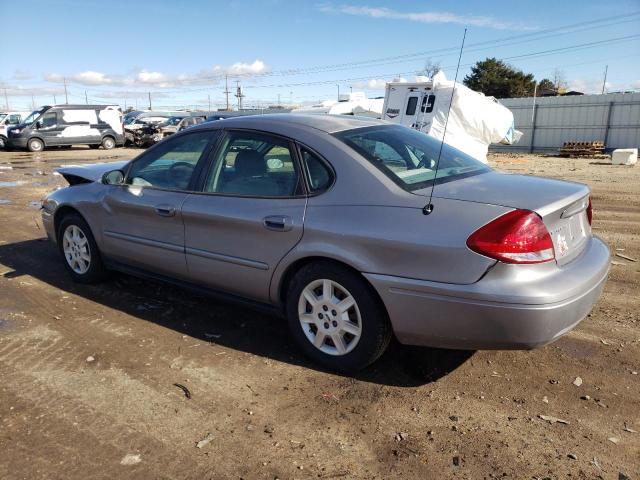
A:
(562, 205)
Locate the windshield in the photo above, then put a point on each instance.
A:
(409, 157)
(2, 116)
(31, 118)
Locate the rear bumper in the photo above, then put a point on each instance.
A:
(511, 307)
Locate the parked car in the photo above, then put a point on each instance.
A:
(8, 119)
(66, 125)
(326, 219)
(179, 123)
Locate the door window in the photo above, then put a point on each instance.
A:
(170, 165)
(14, 119)
(48, 119)
(428, 101)
(255, 165)
(318, 173)
(411, 105)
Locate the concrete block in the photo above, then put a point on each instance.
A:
(624, 156)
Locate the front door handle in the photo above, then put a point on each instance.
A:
(278, 223)
(165, 210)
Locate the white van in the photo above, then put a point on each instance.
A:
(8, 119)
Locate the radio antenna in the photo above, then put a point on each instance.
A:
(429, 207)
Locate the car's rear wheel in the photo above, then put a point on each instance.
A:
(35, 145)
(336, 317)
(108, 143)
(79, 250)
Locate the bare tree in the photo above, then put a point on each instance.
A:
(430, 68)
(559, 80)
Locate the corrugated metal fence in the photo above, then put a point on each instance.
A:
(613, 118)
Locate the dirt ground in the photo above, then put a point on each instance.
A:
(87, 373)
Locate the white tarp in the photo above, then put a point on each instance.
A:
(475, 121)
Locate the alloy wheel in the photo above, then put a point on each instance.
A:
(76, 249)
(329, 317)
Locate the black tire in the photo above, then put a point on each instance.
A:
(108, 143)
(3, 142)
(35, 145)
(96, 271)
(375, 325)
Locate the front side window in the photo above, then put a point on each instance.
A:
(14, 119)
(170, 165)
(409, 157)
(253, 164)
(49, 119)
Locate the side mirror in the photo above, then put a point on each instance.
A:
(38, 124)
(114, 177)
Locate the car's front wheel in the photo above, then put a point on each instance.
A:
(35, 145)
(79, 250)
(336, 317)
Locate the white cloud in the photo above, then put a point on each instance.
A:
(147, 78)
(423, 17)
(22, 75)
(589, 85)
(636, 84)
(377, 83)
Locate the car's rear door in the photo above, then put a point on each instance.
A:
(247, 217)
(142, 221)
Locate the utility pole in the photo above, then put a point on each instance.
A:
(226, 90)
(33, 102)
(55, 102)
(150, 101)
(6, 99)
(86, 100)
(604, 82)
(209, 99)
(66, 95)
(338, 92)
(278, 100)
(239, 94)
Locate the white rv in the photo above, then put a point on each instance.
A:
(473, 122)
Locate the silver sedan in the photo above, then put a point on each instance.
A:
(350, 227)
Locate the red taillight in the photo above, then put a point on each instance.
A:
(515, 237)
(589, 211)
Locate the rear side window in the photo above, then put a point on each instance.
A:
(411, 105)
(255, 165)
(319, 175)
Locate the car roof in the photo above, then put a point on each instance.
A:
(323, 122)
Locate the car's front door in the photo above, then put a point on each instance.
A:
(249, 215)
(142, 220)
(49, 128)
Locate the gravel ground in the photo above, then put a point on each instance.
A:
(88, 372)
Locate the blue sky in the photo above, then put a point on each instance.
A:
(180, 50)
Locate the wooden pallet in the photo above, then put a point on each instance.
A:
(582, 149)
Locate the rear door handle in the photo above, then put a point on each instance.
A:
(165, 210)
(278, 223)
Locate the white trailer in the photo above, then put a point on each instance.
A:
(473, 122)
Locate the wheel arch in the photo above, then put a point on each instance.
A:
(63, 211)
(285, 278)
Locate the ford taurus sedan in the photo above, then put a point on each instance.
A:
(349, 227)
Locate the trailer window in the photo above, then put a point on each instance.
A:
(427, 103)
(411, 105)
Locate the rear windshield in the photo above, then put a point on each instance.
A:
(409, 157)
